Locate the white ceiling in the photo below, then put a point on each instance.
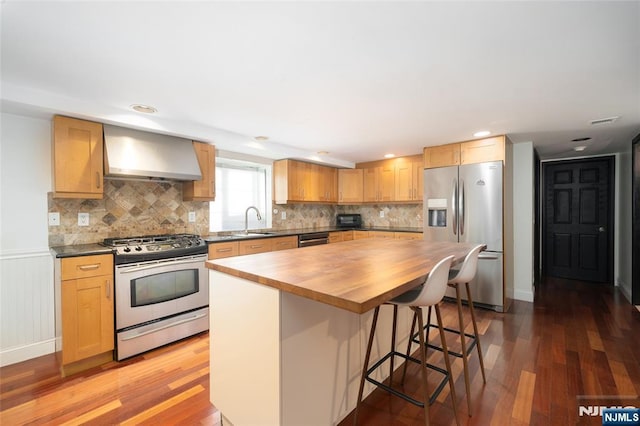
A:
(357, 79)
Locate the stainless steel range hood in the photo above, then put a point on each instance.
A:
(135, 154)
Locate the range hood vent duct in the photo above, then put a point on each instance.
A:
(132, 153)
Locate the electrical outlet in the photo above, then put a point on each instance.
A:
(283, 215)
(192, 217)
(381, 213)
(83, 219)
(54, 219)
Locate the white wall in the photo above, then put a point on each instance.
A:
(623, 222)
(26, 277)
(523, 225)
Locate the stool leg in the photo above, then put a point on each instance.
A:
(475, 332)
(393, 343)
(423, 362)
(445, 351)
(428, 327)
(413, 327)
(366, 363)
(464, 350)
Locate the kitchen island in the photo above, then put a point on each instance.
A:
(289, 328)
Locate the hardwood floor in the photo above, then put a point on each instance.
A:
(579, 340)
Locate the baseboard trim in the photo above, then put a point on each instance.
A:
(525, 296)
(23, 353)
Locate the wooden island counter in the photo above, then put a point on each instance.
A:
(289, 328)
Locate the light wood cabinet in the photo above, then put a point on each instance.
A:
(381, 234)
(347, 235)
(78, 156)
(204, 189)
(442, 155)
(350, 186)
(87, 309)
(284, 243)
(259, 245)
(469, 152)
(336, 237)
(482, 150)
(408, 235)
(222, 250)
(359, 235)
(379, 183)
(298, 181)
(409, 178)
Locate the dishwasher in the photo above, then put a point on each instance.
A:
(313, 239)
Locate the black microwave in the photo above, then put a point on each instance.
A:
(349, 220)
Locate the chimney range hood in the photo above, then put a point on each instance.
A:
(132, 153)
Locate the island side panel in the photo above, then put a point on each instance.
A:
(323, 351)
(244, 350)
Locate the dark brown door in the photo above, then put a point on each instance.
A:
(578, 219)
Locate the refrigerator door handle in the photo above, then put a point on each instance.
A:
(454, 206)
(461, 205)
(489, 255)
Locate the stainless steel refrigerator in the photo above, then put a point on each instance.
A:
(464, 204)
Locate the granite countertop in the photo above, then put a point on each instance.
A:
(270, 233)
(80, 250)
(96, 248)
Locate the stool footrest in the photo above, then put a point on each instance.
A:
(471, 343)
(399, 394)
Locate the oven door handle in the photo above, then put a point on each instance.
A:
(173, 324)
(122, 269)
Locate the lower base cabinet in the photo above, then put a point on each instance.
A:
(84, 289)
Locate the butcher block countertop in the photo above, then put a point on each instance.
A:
(353, 275)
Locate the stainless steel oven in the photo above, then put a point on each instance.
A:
(161, 294)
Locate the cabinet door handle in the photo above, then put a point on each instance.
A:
(223, 250)
(98, 180)
(108, 289)
(89, 267)
(256, 246)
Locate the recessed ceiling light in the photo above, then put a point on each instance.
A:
(144, 108)
(580, 139)
(481, 133)
(323, 152)
(579, 148)
(261, 138)
(389, 155)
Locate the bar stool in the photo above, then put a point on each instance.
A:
(429, 294)
(464, 275)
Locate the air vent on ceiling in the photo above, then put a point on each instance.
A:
(603, 120)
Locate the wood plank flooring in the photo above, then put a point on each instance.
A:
(577, 345)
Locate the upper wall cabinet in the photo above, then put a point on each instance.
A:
(408, 181)
(298, 181)
(442, 155)
(379, 183)
(350, 186)
(482, 150)
(470, 152)
(77, 158)
(204, 189)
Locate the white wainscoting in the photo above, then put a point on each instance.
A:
(27, 317)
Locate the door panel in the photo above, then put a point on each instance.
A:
(481, 185)
(438, 204)
(578, 219)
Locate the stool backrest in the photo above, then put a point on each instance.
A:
(469, 266)
(436, 284)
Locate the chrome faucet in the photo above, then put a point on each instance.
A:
(246, 217)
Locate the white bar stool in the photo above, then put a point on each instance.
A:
(464, 275)
(427, 295)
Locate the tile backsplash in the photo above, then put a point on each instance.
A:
(131, 208)
(321, 215)
(128, 208)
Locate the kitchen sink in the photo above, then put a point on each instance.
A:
(251, 234)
